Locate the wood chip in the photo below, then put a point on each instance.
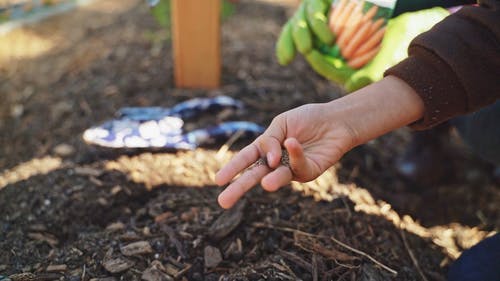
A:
(156, 272)
(212, 256)
(235, 249)
(116, 189)
(38, 227)
(56, 268)
(175, 269)
(130, 236)
(23, 277)
(116, 226)
(136, 248)
(64, 150)
(45, 237)
(163, 216)
(173, 239)
(27, 276)
(103, 279)
(87, 171)
(117, 265)
(227, 222)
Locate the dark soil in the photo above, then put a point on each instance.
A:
(69, 211)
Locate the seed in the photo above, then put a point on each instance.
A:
(285, 160)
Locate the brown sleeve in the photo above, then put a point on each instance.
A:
(455, 66)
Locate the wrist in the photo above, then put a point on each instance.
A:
(377, 109)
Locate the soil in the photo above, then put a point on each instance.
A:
(70, 211)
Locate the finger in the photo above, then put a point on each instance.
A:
(336, 71)
(316, 10)
(297, 159)
(246, 157)
(271, 147)
(277, 178)
(285, 48)
(300, 31)
(271, 139)
(241, 185)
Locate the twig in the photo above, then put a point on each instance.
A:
(315, 267)
(173, 239)
(83, 272)
(286, 229)
(359, 252)
(412, 256)
(295, 259)
(346, 265)
(224, 148)
(315, 247)
(283, 263)
(283, 267)
(349, 214)
(342, 277)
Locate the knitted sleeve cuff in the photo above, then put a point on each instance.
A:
(443, 95)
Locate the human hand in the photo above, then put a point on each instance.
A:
(316, 136)
(314, 139)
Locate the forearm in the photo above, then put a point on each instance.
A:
(378, 109)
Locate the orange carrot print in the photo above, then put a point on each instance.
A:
(334, 15)
(343, 17)
(359, 26)
(352, 26)
(360, 37)
(363, 59)
(374, 40)
(370, 13)
(376, 25)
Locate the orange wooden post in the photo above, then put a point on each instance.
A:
(196, 43)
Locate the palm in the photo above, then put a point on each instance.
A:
(313, 142)
(323, 143)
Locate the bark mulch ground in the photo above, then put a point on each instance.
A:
(69, 211)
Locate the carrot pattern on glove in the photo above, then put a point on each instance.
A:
(359, 27)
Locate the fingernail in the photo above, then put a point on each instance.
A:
(269, 158)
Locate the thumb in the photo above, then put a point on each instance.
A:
(285, 48)
(297, 161)
(330, 69)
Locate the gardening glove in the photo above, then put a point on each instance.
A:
(400, 31)
(310, 32)
(397, 35)
(308, 22)
(328, 60)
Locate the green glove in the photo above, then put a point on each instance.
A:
(399, 33)
(308, 22)
(298, 34)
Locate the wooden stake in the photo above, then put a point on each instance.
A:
(196, 43)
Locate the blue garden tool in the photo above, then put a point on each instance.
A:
(160, 127)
